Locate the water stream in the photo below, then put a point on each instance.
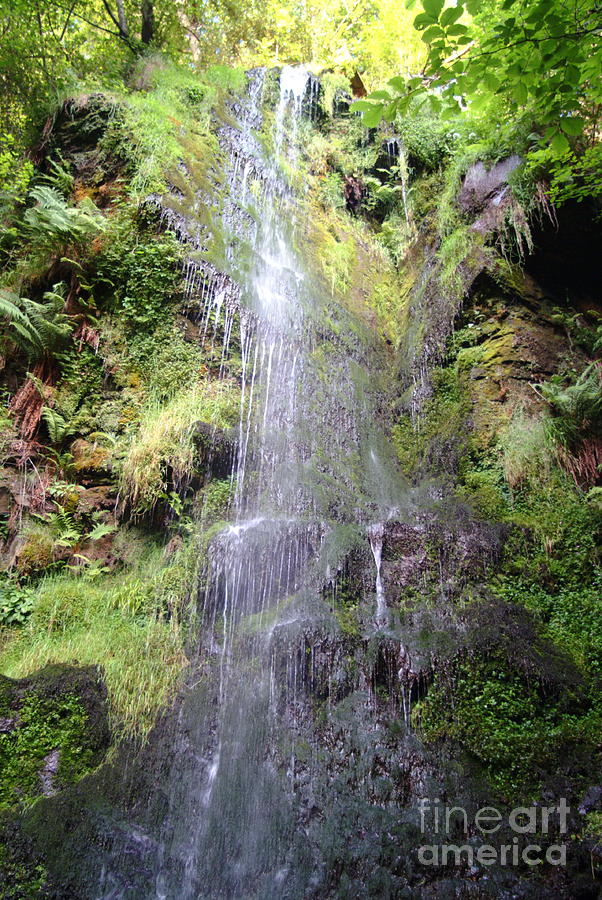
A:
(311, 464)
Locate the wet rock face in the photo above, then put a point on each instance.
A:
(592, 800)
(513, 342)
(215, 450)
(485, 193)
(53, 730)
(76, 131)
(450, 547)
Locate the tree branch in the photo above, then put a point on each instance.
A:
(118, 34)
(534, 40)
(69, 14)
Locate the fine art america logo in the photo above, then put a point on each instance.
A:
(440, 822)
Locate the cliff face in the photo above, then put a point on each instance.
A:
(468, 326)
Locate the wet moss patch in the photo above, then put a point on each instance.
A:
(53, 730)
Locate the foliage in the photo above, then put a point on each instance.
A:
(51, 226)
(577, 407)
(57, 425)
(142, 274)
(504, 721)
(214, 501)
(527, 453)
(516, 59)
(24, 879)
(166, 361)
(428, 141)
(128, 623)
(15, 171)
(162, 454)
(18, 324)
(162, 133)
(16, 603)
(150, 281)
(576, 423)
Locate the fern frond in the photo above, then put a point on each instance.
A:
(59, 178)
(21, 329)
(58, 428)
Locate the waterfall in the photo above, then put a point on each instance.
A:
(395, 150)
(306, 466)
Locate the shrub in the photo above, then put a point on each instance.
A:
(16, 603)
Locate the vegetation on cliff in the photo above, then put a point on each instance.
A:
(444, 224)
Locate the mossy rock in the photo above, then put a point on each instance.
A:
(35, 554)
(23, 875)
(53, 729)
(90, 458)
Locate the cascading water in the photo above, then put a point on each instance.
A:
(376, 533)
(310, 466)
(396, 152)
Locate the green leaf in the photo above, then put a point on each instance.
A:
(432, 33)
(390, 111)
(360, 105)
(520, 92)
(433, 7)
(380, 95)
(491, 82)
(572, 125)
(450, 15)
(398, 83)
(559, 144)
(423, 20)
(435, 104)
(455, 30)
(372, 117)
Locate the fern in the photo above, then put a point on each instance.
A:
(52, 225)
(578, 407)
(59, 178)
(36, 328)
(65, 530)
(52, 325)
(21, 330)
(100, 530)
(58, 428)
(62, 522)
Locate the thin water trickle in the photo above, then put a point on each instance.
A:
(376, 533)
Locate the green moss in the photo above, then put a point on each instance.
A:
(440, 424)
(504, 721)
(169, 123)
(45, 725)
(22, 878)
(36, 553)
